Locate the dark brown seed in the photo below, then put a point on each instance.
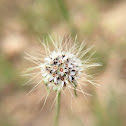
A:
(64, 84)
(72, 78)
(62, 78)
(63, 56)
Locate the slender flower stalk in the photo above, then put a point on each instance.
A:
(56, 121)
(63, 66)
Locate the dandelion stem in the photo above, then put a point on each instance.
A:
(56, 121)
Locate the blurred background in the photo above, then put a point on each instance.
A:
(98, 22)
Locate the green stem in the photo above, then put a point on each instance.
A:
(57, 108)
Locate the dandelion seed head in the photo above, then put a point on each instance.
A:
(64, 66)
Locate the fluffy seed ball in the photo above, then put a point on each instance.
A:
(63, 66)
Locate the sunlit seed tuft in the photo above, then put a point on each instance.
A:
(63, 67)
